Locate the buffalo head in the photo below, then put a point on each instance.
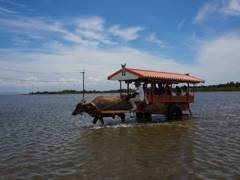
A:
(80, 108)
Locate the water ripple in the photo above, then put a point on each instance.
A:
(41, 140)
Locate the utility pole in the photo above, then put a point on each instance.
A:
(83, 90)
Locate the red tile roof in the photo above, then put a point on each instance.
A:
(161, 76)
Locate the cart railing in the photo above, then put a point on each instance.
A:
(170, 99)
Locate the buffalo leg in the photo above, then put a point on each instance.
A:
(95, 119)
(122, 116)
(101, 120)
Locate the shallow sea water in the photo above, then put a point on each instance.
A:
(40, 139)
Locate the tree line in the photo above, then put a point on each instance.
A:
(230, 86)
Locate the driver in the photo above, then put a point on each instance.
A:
(139, 96)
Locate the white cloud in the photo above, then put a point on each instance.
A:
(32, 78)
(86, 31)
(205, 11)
(5, 10)
(78, 39)
(217, 59)
(128, 34)
(232, 8)
(95, 35)
(21, 42)
(12, 3)
(23, 24)
(224, 8)
(153, 39)
(220, 59)
(217, 62)
(98, 64)
(90, 23)
(181, 24)
(37, 27)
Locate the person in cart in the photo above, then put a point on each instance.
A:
(138, 96)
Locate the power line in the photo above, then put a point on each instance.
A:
(15, 70)
(44, 81)
(35, 72)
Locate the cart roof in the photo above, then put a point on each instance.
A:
(131, 74)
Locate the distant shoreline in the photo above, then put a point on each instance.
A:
(72, 92)
(196, 89)
(227, 87)
(59, 93)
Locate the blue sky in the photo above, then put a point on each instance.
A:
(44, 43)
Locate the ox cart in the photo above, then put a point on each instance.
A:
(165, 93)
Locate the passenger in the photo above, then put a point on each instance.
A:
(168, 90)
(185, 90)
(160, 89)
(178, 91)
(155, 90)
(139, 96)
(146, 92)
(146, 89)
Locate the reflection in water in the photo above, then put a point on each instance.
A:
(40, 139)
(146, 151)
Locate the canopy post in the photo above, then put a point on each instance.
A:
(188, 92)
(120, 90)
(127, 87)
(193, 89)
(152, 91)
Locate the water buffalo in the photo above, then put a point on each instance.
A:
(102, 103)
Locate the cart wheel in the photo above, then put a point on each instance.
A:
(148, 116)
(139, 116)
(144, 117)
(174, 113)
